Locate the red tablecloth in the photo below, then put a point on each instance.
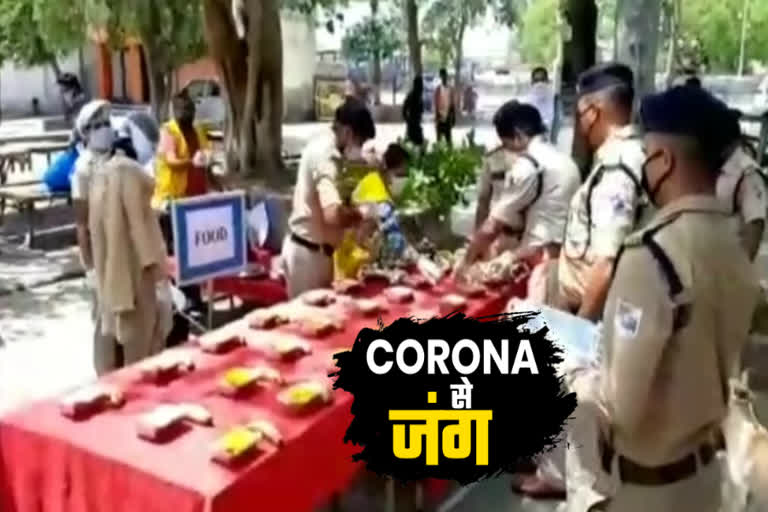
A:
(51, 464)
(263, 291)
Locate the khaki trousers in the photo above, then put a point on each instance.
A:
(107, 353)
(141, 333)
(305, 269)
(700, 493)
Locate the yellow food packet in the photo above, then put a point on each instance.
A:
(238, 377)
(349, 258)
(239, 440)
(302, 395)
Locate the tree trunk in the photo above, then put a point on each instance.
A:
(459, 57)
(252, 75)
(638, 37)
(414, 45)
(743, 42)
(159, 92)
(376, 58)
(674, 27)
(579, 53)
(55, 67)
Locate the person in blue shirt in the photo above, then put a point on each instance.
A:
(395, 172)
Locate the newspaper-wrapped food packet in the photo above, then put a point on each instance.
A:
(90, 400)
(160, 422)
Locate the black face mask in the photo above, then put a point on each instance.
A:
(581, 113)
(645, 184)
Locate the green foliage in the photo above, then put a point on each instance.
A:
(371, 37)
(539, 38)
(445, 23)
(35, 32)
(438, 177)
(171, 30)
(715, 27)
(326, 12)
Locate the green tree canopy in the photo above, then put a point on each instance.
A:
(539, 39)
(36, 32)
(372, 36)
(715, 27)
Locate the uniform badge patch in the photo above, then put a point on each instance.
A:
(626, 322)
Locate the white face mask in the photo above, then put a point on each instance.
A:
(397, 186)
(101, 139)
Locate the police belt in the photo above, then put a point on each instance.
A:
(312, 246)
(633, 473)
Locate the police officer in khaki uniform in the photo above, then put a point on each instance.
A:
(319, 213)
(741, 187)
(542, 182)
(608, 205)
(606, 208)
(495, 178)
(676, 318)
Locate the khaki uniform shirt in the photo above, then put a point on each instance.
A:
(315, 190)
(540, 192)
(495, 176)
(599, 222)
(667, 358)
(742, 189)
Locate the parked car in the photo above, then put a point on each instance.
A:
(208, 100)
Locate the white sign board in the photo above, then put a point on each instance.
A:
(209, 235)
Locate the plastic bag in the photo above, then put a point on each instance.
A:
(57, 177)
(349, 258)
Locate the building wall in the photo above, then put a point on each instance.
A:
(19, 85)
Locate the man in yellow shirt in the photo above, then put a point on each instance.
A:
(181, 170)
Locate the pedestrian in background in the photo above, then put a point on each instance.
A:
(445, 109)
(413, 110)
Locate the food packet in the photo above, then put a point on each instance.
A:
(235, 444)
(319, 298)
(166, 366)
(268, 430)
(318, 327)
(452, 303)
(399, 294)
(196, 414)
(90, 400)
(220, 341)
(291, 348)
(267, 319)
(305, 394)
(160, 422)
(238, 379)
(368, 307)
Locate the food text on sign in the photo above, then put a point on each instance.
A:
(211, 236)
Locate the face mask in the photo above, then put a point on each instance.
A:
(397, 186)
(101, 139)
(581, 113)
(651, 191)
